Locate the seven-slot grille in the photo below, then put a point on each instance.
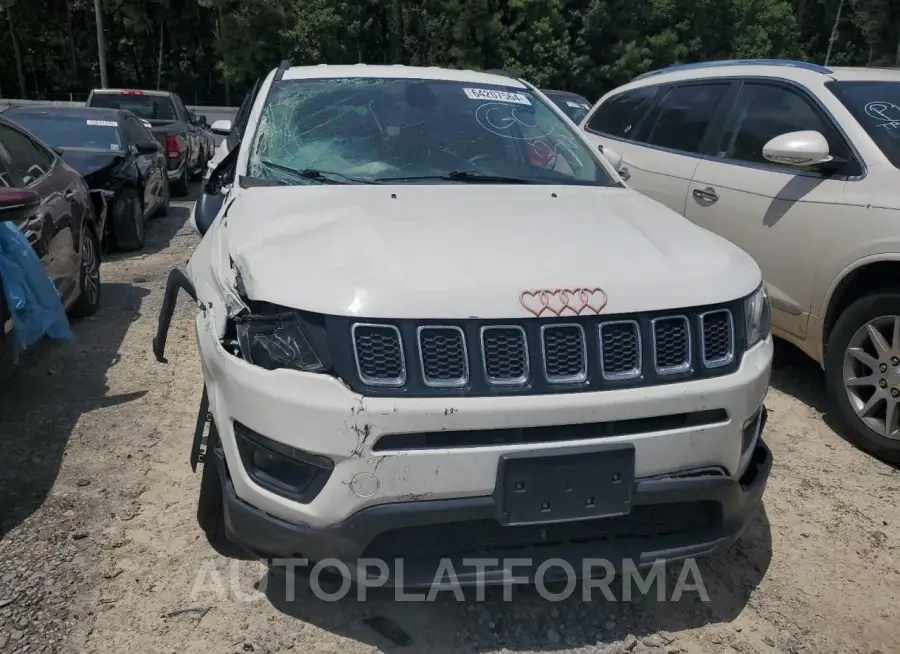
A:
(501, 355)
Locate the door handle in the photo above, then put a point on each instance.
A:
(624, 173)
(707, 195)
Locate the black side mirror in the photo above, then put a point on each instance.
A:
(147, 148)
(17, 204)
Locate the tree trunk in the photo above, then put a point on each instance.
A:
(18, 53)
(834, 30)
(162, 24)
(101, 45)
(71, 34)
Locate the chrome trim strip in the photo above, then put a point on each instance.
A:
(444, 383)
(639, 365)
(565, 379)
(729, 357)
(681, 367)
(377, 381)
(518, 381)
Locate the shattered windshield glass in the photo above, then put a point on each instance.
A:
(378, 130)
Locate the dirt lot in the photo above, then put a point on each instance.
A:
(100, 552)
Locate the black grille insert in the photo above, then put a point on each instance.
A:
(565, 355)
(443, 355)
(379, 354)
(672, 344)
(620, 349)
(505, 355)
(717, 334)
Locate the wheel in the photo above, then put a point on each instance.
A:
(128, 222)
(210, 511)
(862, 368)
(89, 299)
(180, 187)
(201, 166)
(163, 210)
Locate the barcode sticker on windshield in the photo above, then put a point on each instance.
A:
(496, 96)
(103, 123)
(577, 105)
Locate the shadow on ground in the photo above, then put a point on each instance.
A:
(55, 384)
(527, 620)
(795, 374)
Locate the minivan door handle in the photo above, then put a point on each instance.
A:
(707, 195)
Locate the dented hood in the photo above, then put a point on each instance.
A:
(461, 251)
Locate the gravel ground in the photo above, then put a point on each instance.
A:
(100, 551)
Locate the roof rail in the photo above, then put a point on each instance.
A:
(790, 63)
(282, 68)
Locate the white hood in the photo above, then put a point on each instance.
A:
(469, 251)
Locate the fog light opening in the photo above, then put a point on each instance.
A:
(279, 468)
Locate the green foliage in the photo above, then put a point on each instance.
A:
(212, 50)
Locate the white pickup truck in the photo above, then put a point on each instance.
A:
(434, 323)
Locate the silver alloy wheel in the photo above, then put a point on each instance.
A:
(90, 268)
(872, 375)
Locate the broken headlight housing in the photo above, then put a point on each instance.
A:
(277, 341)
(758, 312)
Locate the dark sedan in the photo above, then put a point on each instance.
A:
(62, 227)
(573, 105)
(115, 153)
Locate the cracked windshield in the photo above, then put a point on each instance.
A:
(375, 130)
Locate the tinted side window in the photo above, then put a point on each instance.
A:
(763, 112)
(683, 115)
(620, 113)
(137, 133)
(31, 160)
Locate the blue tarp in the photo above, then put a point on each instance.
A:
(31, 296)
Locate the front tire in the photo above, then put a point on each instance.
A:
(88, 301)
(129, 222)
(862, 370)
(210, 505)
(163, 210)
(180, 186)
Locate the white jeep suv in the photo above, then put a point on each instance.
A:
(796, 164)
(434, 325)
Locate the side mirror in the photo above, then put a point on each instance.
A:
(807, 148)
(17, 204)
(147, 148)
(613, 157)
(221, 127)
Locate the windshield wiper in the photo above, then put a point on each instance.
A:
(468, 176)
(321, 176)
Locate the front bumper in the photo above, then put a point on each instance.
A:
(672, 518)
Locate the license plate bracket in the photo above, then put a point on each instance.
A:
(564, 484)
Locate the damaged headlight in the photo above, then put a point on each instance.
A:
(758, 311)
(274, 342)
